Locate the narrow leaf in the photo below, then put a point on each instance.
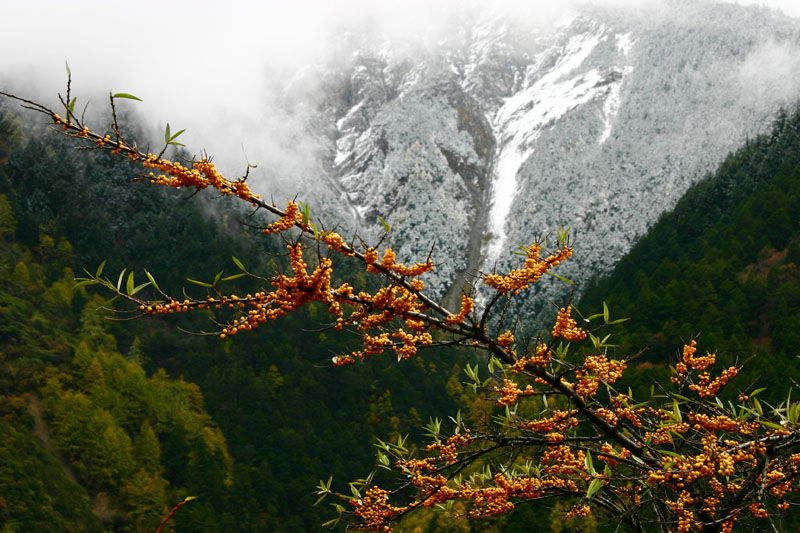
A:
(139, 287)
(588, 463)
(84, 282)
(235, 276)
(562, 278)
(594, 486)
(201, 283)
(386, 226)
(130, 285)
(153, 281)
(100, 269)
(239, 264)
(174, 136)
(758, 407)
(121, 275)
(671, 454)
(128, 96)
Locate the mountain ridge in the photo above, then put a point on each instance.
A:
(501, 131)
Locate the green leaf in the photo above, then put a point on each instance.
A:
(239, 264)
(100, 269)
(201, 283)
(793, 412)
(85, 282)
(121, 275)
(69, 72)
(153, 281)
(386, 226)
(757, 391)
(139, 287)
(130, 284)
(166, 134)
(306, 213)
(175, 136)
(671, 454)
(770, 424)
(128, 96)
(217, 278)
(72, 105)
(605, 312)
(331, 523)
(595, 341)
(562, 234)
(235, 276)
(594, 486)
(757, 406)
(588, 463)
(675, 435)
(562, 278)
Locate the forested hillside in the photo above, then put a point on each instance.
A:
(141, 415)
(724, 265)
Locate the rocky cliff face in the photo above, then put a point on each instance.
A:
(499, 133)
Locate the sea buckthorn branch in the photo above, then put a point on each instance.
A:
(677, 493)
(203, 174)
(437, 488)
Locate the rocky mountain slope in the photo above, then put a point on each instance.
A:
(498, 131)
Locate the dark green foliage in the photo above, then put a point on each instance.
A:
(35, 493)
(722, 265)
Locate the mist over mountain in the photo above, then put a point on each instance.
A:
(502, 131)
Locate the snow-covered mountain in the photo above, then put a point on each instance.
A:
(501, 131)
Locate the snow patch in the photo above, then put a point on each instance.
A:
(521, 120)
(624, 43)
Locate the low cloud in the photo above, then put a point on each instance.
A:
(221, 69)
(770, 69)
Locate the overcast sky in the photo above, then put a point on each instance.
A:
(201, 58)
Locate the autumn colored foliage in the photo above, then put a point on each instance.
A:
(688, 456)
